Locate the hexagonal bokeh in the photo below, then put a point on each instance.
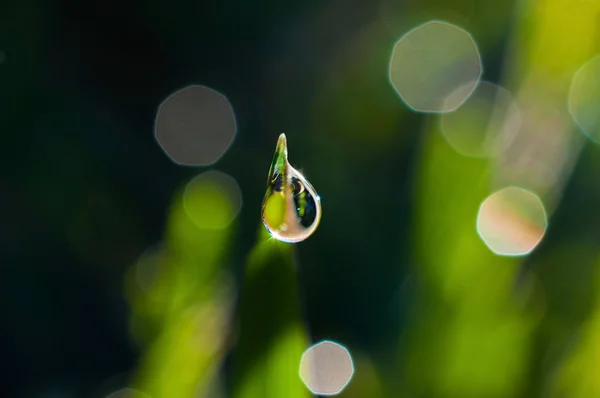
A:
(512, 221)
(584, 98)
(128, 393)
(212, 200)
(433, 61)
(326, 368)
(195, 126)
(485, 124)
(150, 266)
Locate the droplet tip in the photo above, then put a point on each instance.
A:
(282, 144)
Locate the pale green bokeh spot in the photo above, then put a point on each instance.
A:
(584, 98)
(485, 124)
(212, 200)
(275, 210)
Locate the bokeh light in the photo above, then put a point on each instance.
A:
(215, 388)
(584, 98)
(485, 124)
(151, 264)
(543, 154)
(195, 126)
(128, 393)
(326, 368)
(212, 200)
(512, 221)
(431, 63)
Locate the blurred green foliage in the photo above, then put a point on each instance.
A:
(182, 298)
(396, 271)
(267, 357)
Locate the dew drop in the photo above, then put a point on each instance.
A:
(291, 209)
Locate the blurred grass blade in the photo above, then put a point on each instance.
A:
(578, 377)
(272, 336)
(470, 327)
(181, 300)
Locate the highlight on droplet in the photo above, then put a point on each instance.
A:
(584, 98)
(433, 61)
(326, 368)
(512, 221)
(195, 126)
(291, 209)
(212, 200)
(485, 124)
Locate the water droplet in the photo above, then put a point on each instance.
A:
(291, 209)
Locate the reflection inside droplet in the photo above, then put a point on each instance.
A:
(291, 209)
(512, 221)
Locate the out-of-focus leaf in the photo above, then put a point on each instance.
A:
(366, 381)
(181, 299)
(578, 377)
(272, 336)
(471, 339)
